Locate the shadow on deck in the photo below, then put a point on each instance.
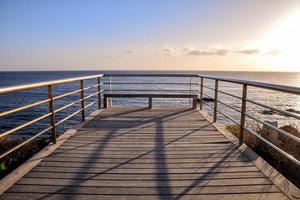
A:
(137, 153)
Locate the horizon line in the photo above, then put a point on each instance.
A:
(155, 70)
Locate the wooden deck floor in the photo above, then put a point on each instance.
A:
(163, 153)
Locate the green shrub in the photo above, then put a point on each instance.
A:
(16, 158)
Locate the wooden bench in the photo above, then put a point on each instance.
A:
(150, 96)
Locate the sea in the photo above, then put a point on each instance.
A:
(279, 100)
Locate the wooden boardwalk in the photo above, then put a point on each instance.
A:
(137, 153)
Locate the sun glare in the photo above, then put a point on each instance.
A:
(282, 43)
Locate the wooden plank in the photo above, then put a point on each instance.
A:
(137, 153)
(152, 146)
(96, 155)
(143, 183)
(206, 146)
(141, 137)
(140, 151)
(200, 196)
(146, 177)
(153, 143)
(99, 136)
(145, 171)
(144, 190)
(109, 159)
(154, 154)
(145, 165)
(167, 149)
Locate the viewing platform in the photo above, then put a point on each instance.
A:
(146, 152)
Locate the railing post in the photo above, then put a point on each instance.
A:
(99, 93)
(194, 102)
(110, 90)
(201, 93)
(191, 90)
(243, 111)
(216, 101)
(150, 102)
(52, 116)
(82, 100)
(105, 101)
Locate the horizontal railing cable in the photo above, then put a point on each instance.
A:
(115, 76)
(50, 101)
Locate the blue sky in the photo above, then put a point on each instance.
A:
(142, 34)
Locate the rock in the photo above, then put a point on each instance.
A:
(269, 133)
(293, 110)
(271, 112)
(268, 112)
(208, 99)
(290, 129)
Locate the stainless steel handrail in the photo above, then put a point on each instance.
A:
(276, 87)
(228, 106)
(8, 112)
(45, 84)
(245, 84)
(50, 100)
(150, 83)
(24, 125)
(136, 90)
(214, 105)
(210, 88)
(151, 75)
(228, 94)
(292, 137)
(290, 157)
(173, 75)
(288, 114)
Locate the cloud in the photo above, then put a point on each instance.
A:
(248, 51)
(222, 52)
(167, 49)
(126, 52)
(273, 52)
(104, 57)
(185, 49)
(198, 53)
(218, 52)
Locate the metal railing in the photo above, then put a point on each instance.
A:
(243, 110)
(200, 84)
(217, 101)
(51, 111)
(188, 89)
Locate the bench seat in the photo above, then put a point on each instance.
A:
(194, 97)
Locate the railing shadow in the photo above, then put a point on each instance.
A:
(161, 167)
(144, 124)
(202, 178)
(163, 189)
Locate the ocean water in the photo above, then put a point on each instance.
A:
(275, 99)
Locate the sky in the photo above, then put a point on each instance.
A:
(227, 35)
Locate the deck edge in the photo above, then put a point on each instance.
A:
(287, 187)
(23, 169)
